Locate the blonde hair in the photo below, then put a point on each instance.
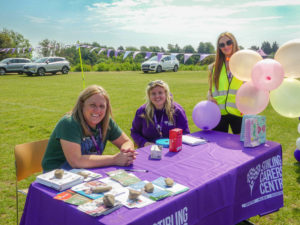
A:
(168, 107)
(220, 59)
(77, 111)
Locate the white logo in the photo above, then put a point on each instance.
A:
(252, 176)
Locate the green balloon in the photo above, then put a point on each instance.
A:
(286, 98)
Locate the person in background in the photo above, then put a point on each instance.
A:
(158, 116)
(79, 138)
(223, 85)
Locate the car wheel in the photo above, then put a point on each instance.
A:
(2, 71)
(175, 68)
(29, 74)
(20, 73)
(41, 72)
(65, 70)
(158, 69)
(53, 73)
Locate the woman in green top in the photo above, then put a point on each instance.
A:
(223, 85)
(79, 138)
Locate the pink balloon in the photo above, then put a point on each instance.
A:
(250, 100)
(267, 74)
(206, 115)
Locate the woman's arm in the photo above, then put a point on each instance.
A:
(136, 130)
(181, 119)
(210, 81)
(126, 146)
(72, 152)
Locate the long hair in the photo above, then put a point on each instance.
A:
(168, 107)
(77, 111)
(220, 59)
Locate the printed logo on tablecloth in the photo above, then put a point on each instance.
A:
(269, 183)
(179, 217)
(252, 176)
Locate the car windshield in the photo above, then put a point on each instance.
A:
(5, 61)
(42, 60)
(154, 58)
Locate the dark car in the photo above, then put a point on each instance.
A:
(13, 65)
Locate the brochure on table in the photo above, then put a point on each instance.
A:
(97, 207)
(72, 197)
(123, 177)
(175, 189)
(157, 194)
(90, 175)
(191, 140)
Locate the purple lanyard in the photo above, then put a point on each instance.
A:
(159, 126)
(94, 141)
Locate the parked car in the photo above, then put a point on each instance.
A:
(13, 65)
(166, 63)
(47, 65)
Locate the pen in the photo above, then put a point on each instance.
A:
(134, 170)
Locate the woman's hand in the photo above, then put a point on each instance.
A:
(124, 159)
(210, 98)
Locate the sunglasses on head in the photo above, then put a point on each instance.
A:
(228, 43)
(152, 83)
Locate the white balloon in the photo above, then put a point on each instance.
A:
(288, 56)
(298, 143)
(285, 98)
(299, 128)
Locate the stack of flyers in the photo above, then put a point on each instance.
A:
(88, 175)
(72, 197)
(157, 194)
(97, 207)
(68, 180)
(85, 189)
(175, 189)
(123, 177)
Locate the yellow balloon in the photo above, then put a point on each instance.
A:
(288, 56)
(241, 63)
(285, 99)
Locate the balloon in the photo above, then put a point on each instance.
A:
(299, 128)
(250, 100)
(242, 62)
(288, 56)
(297, 155)
(298, 143)
(286, 98)
(267, 74)
(206, 115)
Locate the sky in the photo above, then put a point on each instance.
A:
(115, 23)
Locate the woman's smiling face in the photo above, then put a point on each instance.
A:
(94, 109)
(228, 46)
(158, 97)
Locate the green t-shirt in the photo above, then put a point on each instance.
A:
(70, 130)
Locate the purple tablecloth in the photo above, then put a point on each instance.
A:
(228, 183)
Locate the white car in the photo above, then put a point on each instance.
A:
(47, 65)
(13, 65)
(166, 63)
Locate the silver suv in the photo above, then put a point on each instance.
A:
(47, 65)
(13, 65)
(166, 63)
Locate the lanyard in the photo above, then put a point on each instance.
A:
(159, 126)
(95, 143)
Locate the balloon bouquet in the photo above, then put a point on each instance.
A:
(264, 81)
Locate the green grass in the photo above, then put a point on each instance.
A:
(31, 106)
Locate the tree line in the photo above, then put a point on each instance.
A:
(12, 39)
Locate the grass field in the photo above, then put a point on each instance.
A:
(31, 106)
